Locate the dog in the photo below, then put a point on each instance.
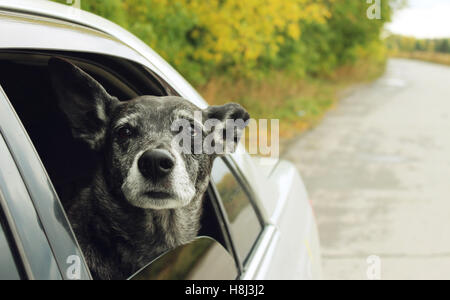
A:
(146, 194)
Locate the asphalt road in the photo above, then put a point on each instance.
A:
(378, 173)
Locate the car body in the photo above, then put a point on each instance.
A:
(36, 238)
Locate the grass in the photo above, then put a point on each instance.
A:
(299, 104)
(440, 58)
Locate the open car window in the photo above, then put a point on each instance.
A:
(70, 163)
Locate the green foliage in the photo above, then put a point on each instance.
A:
(398, 43)
(252, 38)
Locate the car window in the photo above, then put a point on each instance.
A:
(202, 259)
(8, 267)
(245, 226)
(70, 163)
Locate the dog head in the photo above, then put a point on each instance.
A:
(154, 148)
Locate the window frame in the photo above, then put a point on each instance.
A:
(231, 163)
(222, 214)
(59, 237)
(237, 174)
(221, 218)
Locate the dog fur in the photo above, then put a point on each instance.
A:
(120, 223)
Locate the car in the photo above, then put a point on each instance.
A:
(257, 214)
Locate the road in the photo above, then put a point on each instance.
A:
(378, 173)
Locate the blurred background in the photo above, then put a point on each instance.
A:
(361, 89)
(282, 58)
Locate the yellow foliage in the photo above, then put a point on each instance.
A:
(251, 38)
(243, 31)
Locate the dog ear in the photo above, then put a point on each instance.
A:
(225, 125)
(83, 100)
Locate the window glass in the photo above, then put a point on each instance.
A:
(203, 259)
(244, 222)
(8, 268)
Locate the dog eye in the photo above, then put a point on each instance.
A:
(124, 133)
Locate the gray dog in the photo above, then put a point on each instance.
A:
(146, 196)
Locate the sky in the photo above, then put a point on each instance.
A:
(423, 19)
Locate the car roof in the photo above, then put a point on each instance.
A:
(65, 13)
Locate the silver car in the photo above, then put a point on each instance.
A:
(257, 224)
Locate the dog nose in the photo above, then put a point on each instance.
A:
(156, 164)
